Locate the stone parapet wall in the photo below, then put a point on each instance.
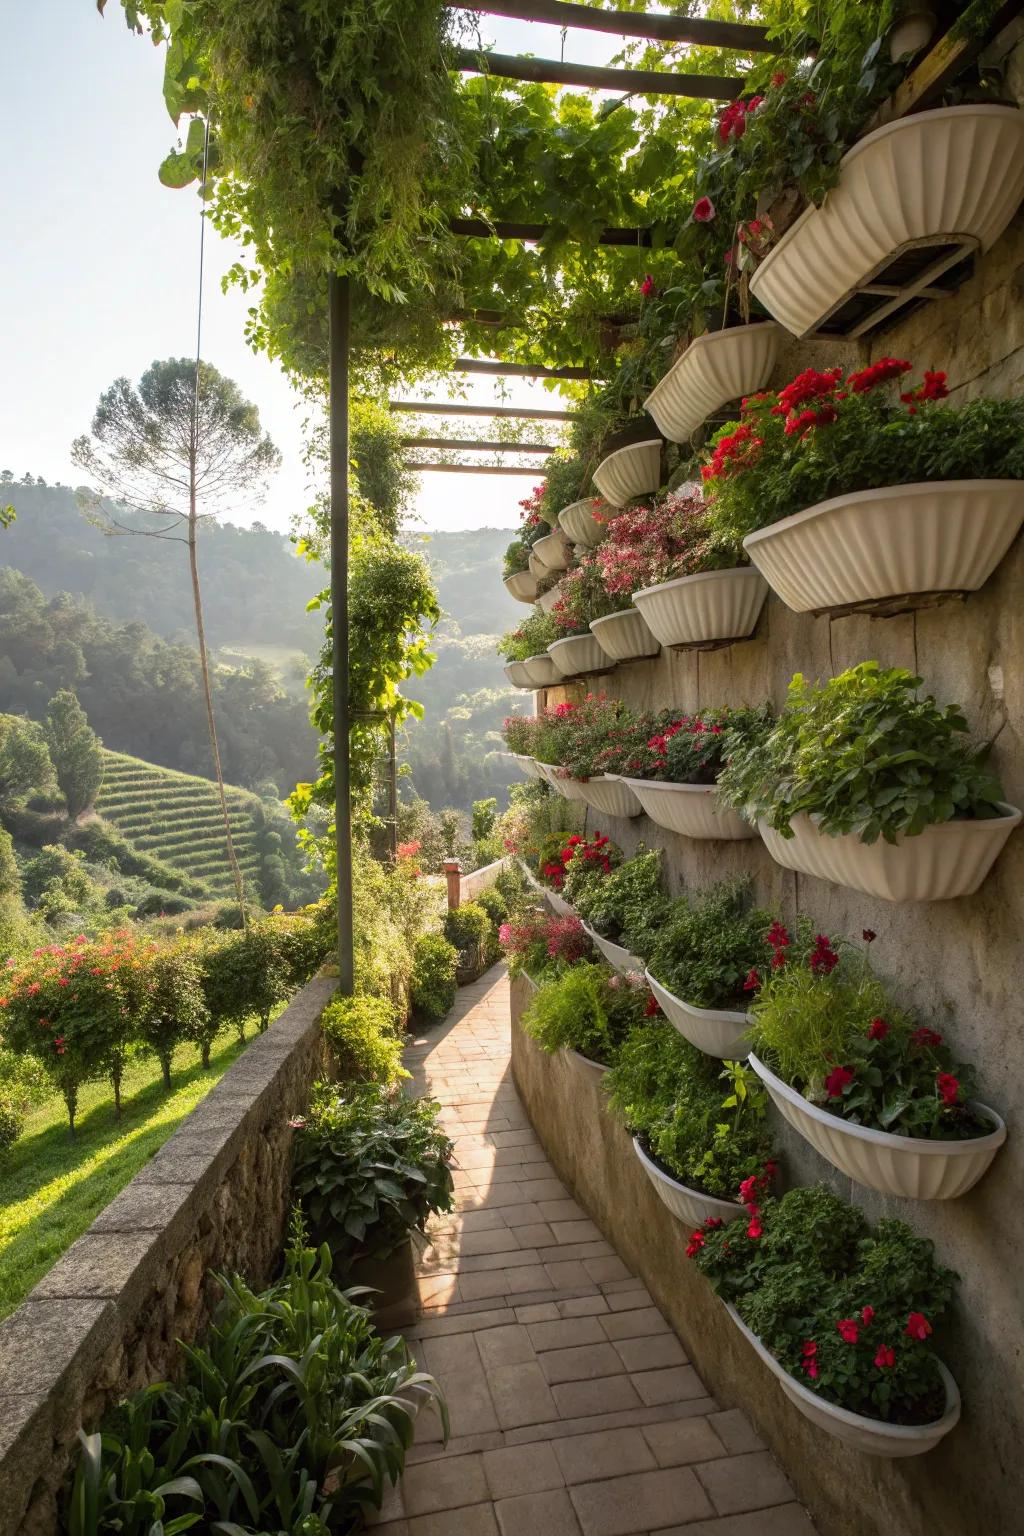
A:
(106, 1319)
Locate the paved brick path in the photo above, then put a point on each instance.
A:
(574, 1409)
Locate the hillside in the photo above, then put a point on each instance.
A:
(177, 818)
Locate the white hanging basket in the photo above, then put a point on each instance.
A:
(611, 796)
(547, 600)
(907, 1166)
(873, 1437)
(537, 567)
(935, 537)
(687, 1205)
(553, 551)
(617, 956)
(715, 1031)
(578, 523)
(522, 586)
(625, 636)
(692, 810)
(717, 368)
(947, 860)
(568, 788)
(542, 671)
(941, 183)
(629, 472)
(594, 1070)
(578, 656)
(517, 674)
(529, 766)
(712, 609)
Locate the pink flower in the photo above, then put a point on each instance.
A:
(297, 1123)
(703, 210)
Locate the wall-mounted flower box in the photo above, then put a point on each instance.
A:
(715, 1031)
(914, 199)
(523, 586)
(718, 367)
(547, 600)
(909, 1166)
(527, 765)
(629, 472)
(946, 860)
(707, 611)
(687, 1205)
(537, 567)
(625, 636)
(542, 671)
(618, 957)
(692, 810)
(578, 523)
(517, 674)
(611, 796)
(553, 551)
(873, 1437)
(569, 788)
(938, 537)
(578, 656)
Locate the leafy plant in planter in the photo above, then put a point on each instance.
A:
(587, 861)
(630, 906)
(534, 527)
(706, 952)
(468, 927)
(600, 736)
(674, 1099)
(542, 944)
(826, 1025)
(530, 638)
(583, 596)
(846, 1311)
(433, 983)
(692, 749)
(826, 434)
(362, 1034)
(647, 545)
(370, 1167)
(588, 1009)
(865, 755)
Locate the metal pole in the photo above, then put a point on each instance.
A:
(338, 313)
(392, 790)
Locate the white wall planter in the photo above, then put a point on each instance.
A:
(611, 796)
(718, 367)
(522, 586)
(953, 177)
(532, 769)
(629, 472)
(942, 536)
(547, 600)
(947, 860)
(517, 674)
(542, 671)
(578, 656)
(873, 1437)
(687, 1205)
(553, 551)
(538, 569)
(618, 957)
(715, 1031)
(624, 636)
(586, 1065)
(568, 788)
(578, 523)
(712, 609)
(692, 810)
(895, 1165)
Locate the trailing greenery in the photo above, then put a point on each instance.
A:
(864, 755)
(707, 949)
(530, 638)
(589, 1009)
(433, 983)
(370, 1167)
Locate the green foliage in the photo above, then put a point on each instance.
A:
(705, 950)
(25, 765)
(485, 814)
(370, 1167)
(364, 1040)
(75, 751)
(673, 1097)
(293, 1416)
(541, 944)
(23, 1085)
(586, 1008)
(10, 875)
(530, 638)
(392, 909)
(174, 1005)
(630, 906)
(496, 905)
(864, 755)
(432, 985)
(468, 928)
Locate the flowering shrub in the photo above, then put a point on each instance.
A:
(647, 545)
(530, 638)
(583, 596)
(589, 1009)
(521, 733)
(692, 749)
(824, 1022)
(629, 906)
(826, 435)
(573, 863)
(540, 943)
(863, 754)
(706, 951)
(671, 1096)
(845, 1310)
(532, 527)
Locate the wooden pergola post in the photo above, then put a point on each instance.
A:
(339, 315)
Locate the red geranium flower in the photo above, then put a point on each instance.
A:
(703, 210)
(877, 1029)
(753, 980)
(949, 1088)
(925, 1036)
(647, 287)
(838, 1079)
(878, 373)
(848, 1330)
(918, 1326)
(867, 1316)
(885, 1357)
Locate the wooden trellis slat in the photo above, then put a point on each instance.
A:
(493, 446)
(642, 82)
(667, 29)
(526, 413)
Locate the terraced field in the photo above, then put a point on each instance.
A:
(176, 817)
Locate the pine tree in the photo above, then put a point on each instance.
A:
(74, 751)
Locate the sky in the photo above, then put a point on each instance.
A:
(99, 268)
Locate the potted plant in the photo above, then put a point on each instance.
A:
(625, 910)
(588, 1012)
(864, 490)
(878, 1095)
(560, 853)
(691, 588)
(541, 945)
(674, 773)
(520, 732)
(842, 1314)
(581, 597)
(864, 783)
(370, 1167)
(526, 646)
(704, 963)
(630, 472)
(554, 552)
(716, 368)
(594, 739)
(585, 521)
(696, 1141)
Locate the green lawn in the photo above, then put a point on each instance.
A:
(52, 1188)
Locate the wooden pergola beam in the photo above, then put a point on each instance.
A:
(506, 229)
(516, 370)
(945, 59)
(639, 82)
(495, 446)
(476, 469)
(531, 413)
(666, 29)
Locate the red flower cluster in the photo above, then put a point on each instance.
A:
(810, 1364)
(778, 940)
(838, 1079)
(933, 388)
(697, 1239)
(925, 1036)
(949, 1089)
(882, 372)
(733, 453)
(647, 287)
(877, 1029)
(750, 1189)
(732, 124)
(703, 210)
(918, 1327)
(752, 980)
(823, 959)
(809, 385)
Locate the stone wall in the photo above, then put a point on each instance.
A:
(106, 1319)
(960, 964)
